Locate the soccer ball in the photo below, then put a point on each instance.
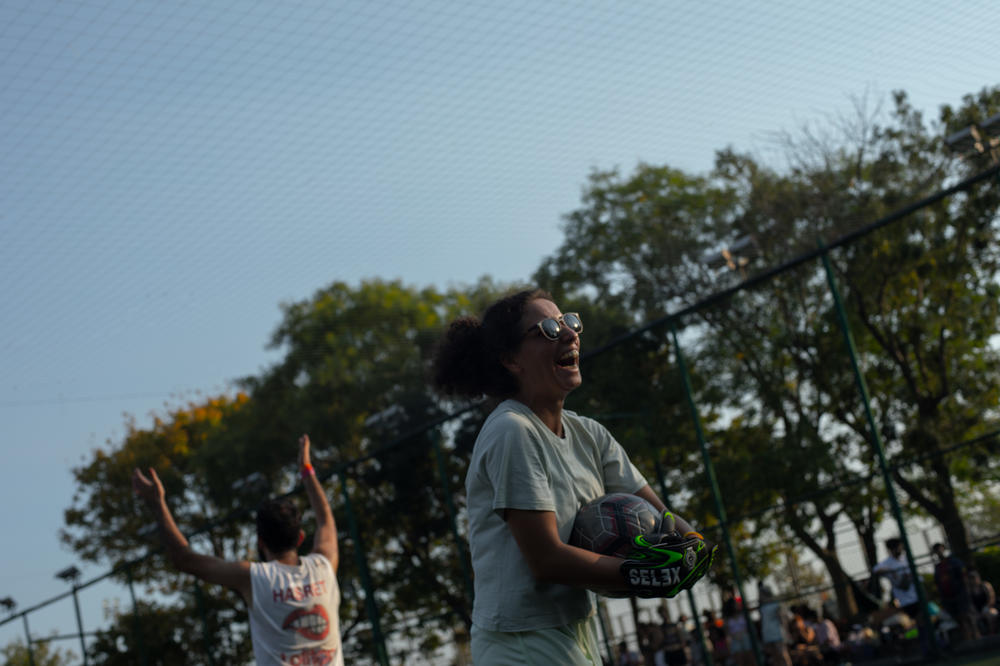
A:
(608, 524)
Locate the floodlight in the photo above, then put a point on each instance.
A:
(387, 417)
(735, 256)
(991, 126)
(254, 482)
(9, 604)
(70, 574)
(965, 141)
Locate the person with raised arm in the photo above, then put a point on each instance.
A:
(293, 599)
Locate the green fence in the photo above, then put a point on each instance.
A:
(826, 452)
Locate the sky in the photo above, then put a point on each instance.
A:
(171, 172)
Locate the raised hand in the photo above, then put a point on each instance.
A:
(149, 489)
(304, 462)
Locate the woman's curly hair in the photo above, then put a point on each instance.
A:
(469, 358)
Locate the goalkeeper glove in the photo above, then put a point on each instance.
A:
(670, 564)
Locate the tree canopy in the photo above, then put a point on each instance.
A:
(786, 430)
(352, 374)
(769, 362)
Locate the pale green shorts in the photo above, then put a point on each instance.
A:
(574, 644)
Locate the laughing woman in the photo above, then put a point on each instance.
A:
(533, 466)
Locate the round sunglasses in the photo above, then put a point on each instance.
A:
(552, 328)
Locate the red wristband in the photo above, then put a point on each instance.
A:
(307, 471)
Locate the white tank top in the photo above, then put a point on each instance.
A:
(293, 614)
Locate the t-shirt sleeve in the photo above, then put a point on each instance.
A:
(620, 475)
(321, 559)
(515, 469)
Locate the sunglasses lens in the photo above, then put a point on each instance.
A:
(572, 322)
(550, 328)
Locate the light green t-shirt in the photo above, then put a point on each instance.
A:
(518, 463)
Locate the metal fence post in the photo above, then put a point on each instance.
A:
(664, 495)
(366, 582)
(453, 515)
(136, 624)
(602, 619)
(206, 634)
(79, 625)
(926, 627)
(27, 638)
(714, 485)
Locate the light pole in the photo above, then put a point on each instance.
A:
(10, 606)
(71, 575)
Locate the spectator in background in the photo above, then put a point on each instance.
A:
(672, 650)
(862, 643)
(950, 577)
(827, 636)
(984, 601)
(682, 627)
(802, 639)
(773, 619)
(897, 570)
(696, 640)
(650, 637)
(627, 657)
(740, 647)
(717, 639)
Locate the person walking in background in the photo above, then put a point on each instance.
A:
(951, 580)
(534, 464)
(293, 600)
(773, 620)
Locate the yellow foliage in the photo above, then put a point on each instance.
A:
(177, 433)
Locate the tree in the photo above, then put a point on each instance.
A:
(42, 653)
(762, 358)
(107, 526)
(354, 371)
(352, 374)
(924, 300)
(158, 634)
(660, 224)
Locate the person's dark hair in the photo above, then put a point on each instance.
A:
(469, 359)
(278, 524)
(893, 543)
